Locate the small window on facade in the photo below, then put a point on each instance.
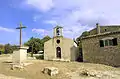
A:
(114, 41)
(108, 42)
(105, 29)
(58, 41)
(101, 43)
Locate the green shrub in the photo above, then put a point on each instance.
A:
(40, 57)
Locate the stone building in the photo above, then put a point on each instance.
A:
(102, 45)
(60, 48)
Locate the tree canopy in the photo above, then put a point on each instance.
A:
(84, 34)
(46, 38)
(36, 44)
(9, 48)
(2, 49)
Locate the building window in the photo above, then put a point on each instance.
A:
(108, 42)
(105, 30)
(58, 31)
(58, 41)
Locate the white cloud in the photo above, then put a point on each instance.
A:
(77, 16)
(42, 32)
(53, 22)
(41, 5)
(6, 29)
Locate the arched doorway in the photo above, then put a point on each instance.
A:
(58, 52)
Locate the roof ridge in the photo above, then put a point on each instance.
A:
(101, 34)
(110, 25)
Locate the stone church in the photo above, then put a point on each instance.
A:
(60, 48)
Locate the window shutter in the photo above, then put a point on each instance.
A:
(114, 41)
(110, 42)
(101, 43)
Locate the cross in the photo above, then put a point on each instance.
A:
(21, 27)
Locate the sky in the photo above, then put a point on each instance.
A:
(41, 16)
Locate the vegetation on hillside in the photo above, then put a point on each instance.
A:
(34, 44)
(7, 48)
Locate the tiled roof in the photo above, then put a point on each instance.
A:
(101, 34)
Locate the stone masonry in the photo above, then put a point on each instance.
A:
(92, 52)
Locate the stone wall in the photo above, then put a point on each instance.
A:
(92, 52)
(105, 29)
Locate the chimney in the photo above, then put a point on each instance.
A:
(98, 28)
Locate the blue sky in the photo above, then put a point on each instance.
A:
(40, 16)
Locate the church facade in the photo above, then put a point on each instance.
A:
(60, 48)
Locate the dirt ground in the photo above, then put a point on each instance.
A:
(33, 71)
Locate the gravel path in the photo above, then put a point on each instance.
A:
(67, 70)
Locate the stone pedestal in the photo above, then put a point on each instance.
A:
(19, 56)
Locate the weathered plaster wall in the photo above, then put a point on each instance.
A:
(66, 49)
(48, 50)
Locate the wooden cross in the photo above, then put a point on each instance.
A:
(21, 27)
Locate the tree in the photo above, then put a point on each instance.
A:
(45, 39)
(2, 49)
(34, 44)
(14, 47)
(8, 48)
(84, 34)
